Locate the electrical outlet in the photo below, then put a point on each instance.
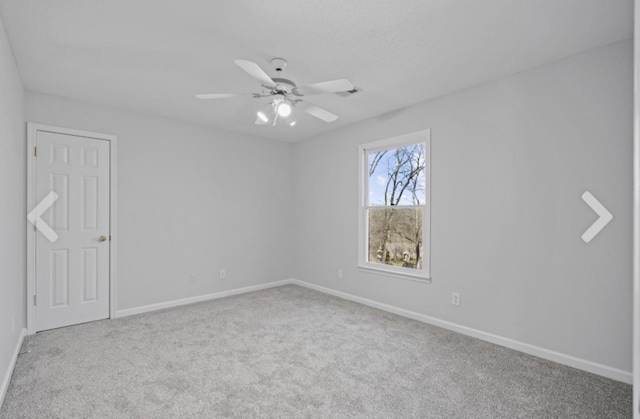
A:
(223, 274)
(340, 274)
(455, 298)
(193, 278)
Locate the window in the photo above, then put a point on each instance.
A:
(394, 206)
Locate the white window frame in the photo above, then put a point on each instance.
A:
(423, 275)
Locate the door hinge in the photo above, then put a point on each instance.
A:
(35, 300)
(35, 151)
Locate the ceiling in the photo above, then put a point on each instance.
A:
(153, 56)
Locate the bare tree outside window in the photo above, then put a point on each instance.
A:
(397, 188)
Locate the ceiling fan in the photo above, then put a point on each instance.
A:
(284, 94)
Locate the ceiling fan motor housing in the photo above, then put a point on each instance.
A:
(278, 64)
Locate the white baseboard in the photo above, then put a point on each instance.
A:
(582, 364)
(560, 358)
(9, 372)
(199, 298)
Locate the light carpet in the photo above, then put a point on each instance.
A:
(291, 352)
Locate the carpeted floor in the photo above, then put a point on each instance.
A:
(290, 352)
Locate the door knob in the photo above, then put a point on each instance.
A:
(102, 238)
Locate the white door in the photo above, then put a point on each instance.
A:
(72, 272)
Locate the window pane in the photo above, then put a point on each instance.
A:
(395, 236)
(397, 176)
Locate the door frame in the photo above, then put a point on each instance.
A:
(636, 212)
(32, 131)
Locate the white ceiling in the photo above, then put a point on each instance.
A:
(153, 56)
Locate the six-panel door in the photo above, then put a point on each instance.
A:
(72, 273)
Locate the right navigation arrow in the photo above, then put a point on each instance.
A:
(603, 213)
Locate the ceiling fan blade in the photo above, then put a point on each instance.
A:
(333, 86)
(255, 71)
(320, 113)
(217, 95)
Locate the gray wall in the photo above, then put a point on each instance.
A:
(190, 200)
(13, 209)
(510, 162)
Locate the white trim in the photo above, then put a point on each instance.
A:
(571, 361)
(113, 228)
(200, 298)
(32, 130)
(560, 358)
(31, 237)
(380, 270)
(636, 214)
(397, 141)
(9, 372)
(424, 275)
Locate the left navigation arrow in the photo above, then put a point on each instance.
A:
(41, 208)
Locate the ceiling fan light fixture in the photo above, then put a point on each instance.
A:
(263, 117)
(283, 109)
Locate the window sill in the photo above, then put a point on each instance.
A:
(395, 274)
